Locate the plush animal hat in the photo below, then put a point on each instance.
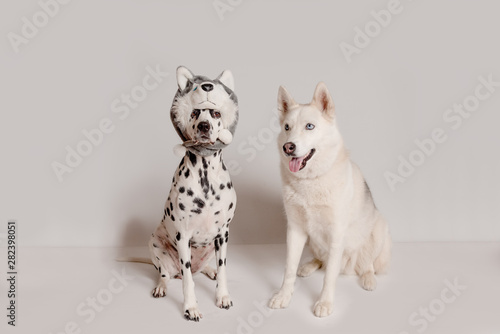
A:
(199, 92)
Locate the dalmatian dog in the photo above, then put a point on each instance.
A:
(202, 200)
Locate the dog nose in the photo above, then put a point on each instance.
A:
(289, 148)
(204, 126)
(207, 87)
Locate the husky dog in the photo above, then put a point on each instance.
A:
(202, 200)
(327, 202)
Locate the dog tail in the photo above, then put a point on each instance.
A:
(135, 259)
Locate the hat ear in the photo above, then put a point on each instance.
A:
(285, 101)
(226, 77)
(183, 76)
(323, 100)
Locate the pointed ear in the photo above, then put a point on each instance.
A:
(285, 101)
(183, 76)
(323, 100)
(226, 77)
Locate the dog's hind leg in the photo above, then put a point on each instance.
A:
(160, 263)
(309, 267)
(210, 272)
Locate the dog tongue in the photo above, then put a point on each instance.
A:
(295, 164)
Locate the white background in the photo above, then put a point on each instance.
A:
(394, 91)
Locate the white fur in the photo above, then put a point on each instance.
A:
(225, 136)
(327, 204)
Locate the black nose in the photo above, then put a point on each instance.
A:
(289, 148)
(207, 87)
(204, 126)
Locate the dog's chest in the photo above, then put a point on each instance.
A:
(202, 197)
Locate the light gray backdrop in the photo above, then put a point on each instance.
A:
(392, 83)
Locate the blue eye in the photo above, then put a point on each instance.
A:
(287, 127)
(309, 126)
(195, 88)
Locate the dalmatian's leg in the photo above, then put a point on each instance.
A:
(210, 272)
(160, 263)
(222, 298)
(191, 311)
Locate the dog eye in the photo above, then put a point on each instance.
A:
(214, 113)
(287, 127)
(195, 113)
(309, 126)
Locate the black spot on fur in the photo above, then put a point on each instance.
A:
(229, 220)
(180, 172)
(154, 245)
(190, 192)
(224, 166)
(199, 202)
(212, 190)
(224, 261)
(163, 276)
(186, 174)
(229, 185)
(216, 244)
(182, 272)
(168, 212)
(171, 207)
(178, 236)
(192, 157)
(181, 163)
(182, 261)
(215, 154)
(182, 190)
(188, 264)
(227, 234)
(230, 206)
(181, 206)
(222, 186)
(172, 217)
(217, 197)
(220, 262)
(197, 211)
(205, 164)
(217, 212)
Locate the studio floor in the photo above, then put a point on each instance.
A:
(431, 288)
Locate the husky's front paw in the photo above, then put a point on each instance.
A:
(192, 313)
(323, 308)
(223, 302)
(280, 300)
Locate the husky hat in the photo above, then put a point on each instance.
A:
(200, 92)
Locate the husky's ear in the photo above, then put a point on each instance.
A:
(323, 100)
(285, 101)
(226, 77)
(183, 76)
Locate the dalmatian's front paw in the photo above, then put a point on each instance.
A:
(223, 302)
(323, 308)
(280, 300)
(192, 313)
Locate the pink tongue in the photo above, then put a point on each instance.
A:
(295, 164)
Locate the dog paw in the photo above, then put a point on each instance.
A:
(280, 300)
(192, 314)
(210, 272)
(368, 281)
(223, 302)
(307, 269)
(159, 291)
(323, 309)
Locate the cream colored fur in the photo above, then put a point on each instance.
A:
(327, 203)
